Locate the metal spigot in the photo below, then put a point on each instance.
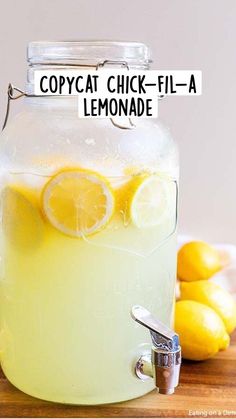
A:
(163, 363)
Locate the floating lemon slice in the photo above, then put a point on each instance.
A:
(22, 221)
(78, 202)
(150, 201)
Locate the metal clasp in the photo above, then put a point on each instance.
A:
(20, 93)
(122, 64)
(11, 96)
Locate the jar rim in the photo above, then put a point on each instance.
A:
(90, 51)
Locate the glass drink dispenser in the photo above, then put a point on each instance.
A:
(88, 243)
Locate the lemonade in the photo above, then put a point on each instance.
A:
(66, 299)
(88, 231)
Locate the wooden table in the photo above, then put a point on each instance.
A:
(207, 389)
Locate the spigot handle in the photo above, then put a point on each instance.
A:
(166, 352)
(162, 336)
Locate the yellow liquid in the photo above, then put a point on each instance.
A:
(66, 334)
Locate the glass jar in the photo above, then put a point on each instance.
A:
(88, 231)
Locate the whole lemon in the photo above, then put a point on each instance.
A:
(197, 260)
(214, 296)
(201, 331)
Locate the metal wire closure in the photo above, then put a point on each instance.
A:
(14, 93)
(11, 96)
(122, 64)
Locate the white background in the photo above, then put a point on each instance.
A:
(183, 34)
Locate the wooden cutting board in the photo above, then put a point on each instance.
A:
(205, 388)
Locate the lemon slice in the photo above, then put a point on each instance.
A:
(78, 202)
(150, 202)
(22, 222)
